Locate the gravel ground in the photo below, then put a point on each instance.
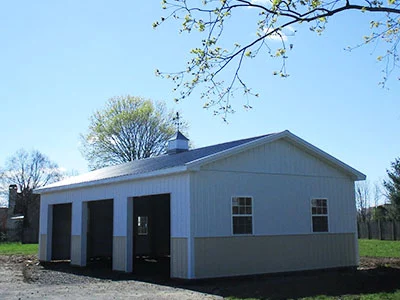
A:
(22, 277)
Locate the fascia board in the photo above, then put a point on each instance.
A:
(357, 175)
(163, 172)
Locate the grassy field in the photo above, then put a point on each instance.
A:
(376, 248)
(18, 248)
(377, 296)
(380, 296)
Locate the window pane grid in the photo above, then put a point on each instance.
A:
(319, 207)
(241, 206)
(142, 225)
(242, 219)
(319, 211)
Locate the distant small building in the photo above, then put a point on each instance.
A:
(3, 219)
(22, 220)
(272, 203)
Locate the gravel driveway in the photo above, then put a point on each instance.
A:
(22, 277)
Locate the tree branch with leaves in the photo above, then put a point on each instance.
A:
(273, 18)
(127, 129)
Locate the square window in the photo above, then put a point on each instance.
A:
(320, 224)
(242, 225)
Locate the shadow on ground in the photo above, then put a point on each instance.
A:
(278, 286)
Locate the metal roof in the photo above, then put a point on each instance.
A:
(149, 165)
(189, 160)
(179, 136)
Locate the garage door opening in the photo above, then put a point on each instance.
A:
(152, 235)
(61, 232)
(100, 232)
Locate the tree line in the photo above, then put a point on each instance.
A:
(368, 197)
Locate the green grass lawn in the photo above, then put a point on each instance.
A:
(376, 248)
(18, 248)
(376, 296)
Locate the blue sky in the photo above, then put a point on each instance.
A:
(60, 61)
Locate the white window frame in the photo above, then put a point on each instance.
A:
(319, 215)
(138, 225)
(242, 215)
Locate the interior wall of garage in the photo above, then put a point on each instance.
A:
(100, 229)
(61, 226)
(157, 240)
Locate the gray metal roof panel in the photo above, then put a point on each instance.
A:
(151, 164)
(179, 136)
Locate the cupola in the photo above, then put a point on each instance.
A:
(178, 143)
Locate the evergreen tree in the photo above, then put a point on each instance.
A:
(392, 186)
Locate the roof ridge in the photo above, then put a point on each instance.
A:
(234, 141)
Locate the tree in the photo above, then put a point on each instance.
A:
(128, 128)
(274, 20)
(392, 186)
(363, 201)
(378, 212)
(28, 170)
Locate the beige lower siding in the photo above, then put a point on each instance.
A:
(119, 253)
(43, 247)
(76, 252)
(245, 255)
(179, 258)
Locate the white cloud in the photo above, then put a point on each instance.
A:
(275, 36)
(262, 2)
(280, 34)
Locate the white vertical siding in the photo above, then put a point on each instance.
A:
(282, 179)
(120, 215)
(281, 203)
(45, 224)
(176, 185)
(279, 157)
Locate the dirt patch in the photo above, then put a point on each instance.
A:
(367, 263)
(23, 277)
